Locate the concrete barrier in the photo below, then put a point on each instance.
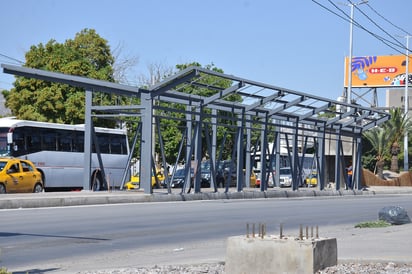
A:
(266, 255)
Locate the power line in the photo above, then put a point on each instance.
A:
(381, 16)
(346, 18)
(380, 38)
(331, 11)
(378, 26)
(11, 58)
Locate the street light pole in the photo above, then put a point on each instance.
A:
(349, 90)
(406, 101)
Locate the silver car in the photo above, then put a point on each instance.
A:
(285, 177)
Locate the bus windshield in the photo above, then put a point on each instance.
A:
(4, 148)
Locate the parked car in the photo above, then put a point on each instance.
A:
(253, 178)
(18, 175)
(270, 180)
(205, 170)
(134, 182)
(285, 177)
(206, 173)
(222, 173)
(312, 179)
(180, 176)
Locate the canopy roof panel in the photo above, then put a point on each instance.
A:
(263, 100)
(259, 100)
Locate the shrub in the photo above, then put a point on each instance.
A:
(4, 271)
(378, 223)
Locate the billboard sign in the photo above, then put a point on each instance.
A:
(378, 71)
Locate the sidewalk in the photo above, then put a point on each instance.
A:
(384, 244)
(389, 189)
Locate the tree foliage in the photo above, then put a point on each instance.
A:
(399, 124)
(385, 141)
(174, 124)
(86, 55)
(379, 138)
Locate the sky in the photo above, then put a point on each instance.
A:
(294, 44)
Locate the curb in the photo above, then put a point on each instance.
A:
(38, 200)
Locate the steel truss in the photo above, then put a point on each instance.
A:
(276, 113)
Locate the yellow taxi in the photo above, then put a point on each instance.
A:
(312, 179)
(134, 182)
(18, 175)
(253, 179)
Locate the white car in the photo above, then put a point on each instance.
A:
(285, 177)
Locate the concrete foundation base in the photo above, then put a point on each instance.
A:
(275, 255)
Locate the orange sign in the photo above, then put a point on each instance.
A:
(378, 71)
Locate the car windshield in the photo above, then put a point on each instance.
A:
(205, 166)
(180, 172)
(284, 171)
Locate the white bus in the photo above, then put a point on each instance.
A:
(57, 150)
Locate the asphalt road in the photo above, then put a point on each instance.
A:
(70, 239)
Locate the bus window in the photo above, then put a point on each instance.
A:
(19, 141)
(49, 141)
(19, 146)
(64, 140)
(78, 144)
(104, 143)
(33, 143)
(118, 145)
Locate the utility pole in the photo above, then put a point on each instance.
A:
(349, 90)
(406, 100)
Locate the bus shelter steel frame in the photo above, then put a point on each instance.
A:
(272, 110)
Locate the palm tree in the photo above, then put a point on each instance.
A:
(397, 125)
(379, 138)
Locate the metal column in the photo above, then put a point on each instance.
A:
(248, 164)
(263, 149)
(87, 141)
(240, 155)
(357, 165)
(146, 144)
(321, 159)
(189, 149)
(198, 150)
(213, 158)
(338, 160)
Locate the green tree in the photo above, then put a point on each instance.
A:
(398, 125)
(386, 140)
(379, 138)
(86, 55)
(173, 129)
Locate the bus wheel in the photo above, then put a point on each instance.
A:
(2, 189)
(43, 179)
(37, 188)
(98, 182)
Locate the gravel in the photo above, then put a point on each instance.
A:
(377, 268)
(215, 268)
(219, 268)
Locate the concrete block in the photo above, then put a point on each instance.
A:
(279, 255)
